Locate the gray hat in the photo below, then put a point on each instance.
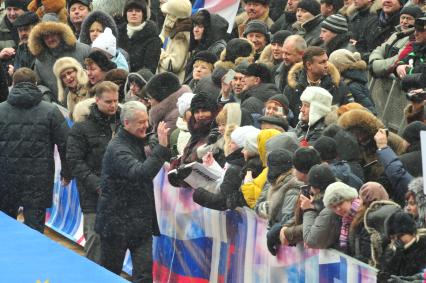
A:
(257, 26)
(338, 192)
(335, 23)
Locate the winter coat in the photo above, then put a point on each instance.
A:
(311, 30)
(4, 88)
(298, 81)
(126, 205)
(340, 41)
(310, 133)
(284, 22)
(281, 75)
(384, 56)
(229, 190)
(29, 131)
(144, 47)
(321, 230)
(343, 172)
(46, 58)
(360, 243)
(166, 110)
(413, 54)
(276, 8)
(253, 99)
(75, 97)
(23, 57)
(86, 145)
(8, 34)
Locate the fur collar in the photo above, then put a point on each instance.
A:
(266, 56)
(36, 43)
(294, 73)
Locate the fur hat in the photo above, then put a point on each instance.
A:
(320, 176)
(335, 23)
(21, 4)
(26, 19)
(101, 60)
(259, 70)
(279, 121)
(87, 3)
(338, 192)
(412, 132)
(138, 4)
(372, 191)
(327, 148)
(280, 36)
(160, 86)
(287, 140)
(205, 56)
(241, 134)
(238, 47)
(184, 102)
(181, 9)
(342, 58)
(251, 134)
(400, 223)
(348, 107)
(304, 158)
(320, 102)
(107, 42)
(412, 10)
(204, 101)
(67, 63)
(257, 26)
(311, 6)
(279, 161)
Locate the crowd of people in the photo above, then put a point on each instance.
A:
(280, 106)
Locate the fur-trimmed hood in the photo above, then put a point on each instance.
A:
(36, 43)
(358, 65)
(100, 17)
(266, 56)
(295, 71)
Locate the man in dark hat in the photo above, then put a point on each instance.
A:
(78, 11)
(9, 38)
(257, 33)
(309, 18)
(24, 24)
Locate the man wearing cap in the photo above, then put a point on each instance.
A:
(308, 21)
(253, 10)
(330, 7)
(334, 34)
(9, 37)
(24, 24)
(413, 56)
(385, 55)
(272, 53)
(78, 11)
(257, 33)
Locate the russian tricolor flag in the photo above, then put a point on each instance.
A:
(226, 8)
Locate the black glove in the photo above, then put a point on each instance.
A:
(213, 136)
(177, 179)
(273, 239)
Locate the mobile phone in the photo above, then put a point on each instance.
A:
(306, 190)
(229, 76)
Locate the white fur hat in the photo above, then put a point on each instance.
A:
(320, 102)
(245, 137)
(184, 102)
(107, 42)
(338, 192)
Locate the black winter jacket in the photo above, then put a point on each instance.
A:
(284, 22)
(87, 142)
(144, 47)
(29, 130)
(253, 99)
(356, 81)
(126, 205)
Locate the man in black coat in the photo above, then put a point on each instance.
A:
(29, 131)
(87, 142)
(126, 217)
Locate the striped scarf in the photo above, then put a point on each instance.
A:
(346, 223)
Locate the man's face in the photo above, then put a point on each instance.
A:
(69, 78)
(327, 35)
(405, 21)
(78, 12)
(304, 111)
(303, 16)
(318, 67)
(361, 4)
(250, 81)
(108, 102)
(420, 36)
(290, 55)
(24, 33)
(52, 40)
(13, 12)
(277, 52)
(237, 83)
(258, 39)
(391, 6)
(292, 6)
(95, 74)
(255, 10)
(138, 124)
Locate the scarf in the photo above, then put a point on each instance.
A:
(346, 223)
(131, 29)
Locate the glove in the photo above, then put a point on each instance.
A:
(213, 136)
(273, 239)
(406, 279)
(176, 179)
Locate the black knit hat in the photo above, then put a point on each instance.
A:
(412, 132)
(337, 4)
(26, 19)
(279, 121)
(21, 4)
(280, 36)
(304, 158)
(335, 23)
(141, 77)
(138, 4)
(311, 6)
(259, 70)
(320, 176)
(204, 101)
(87, 3)
(238, 47)
(257, 26)
(101, 60)
(400, 223)
(279, 161)
(160, 86)
(412, 10)
(205, 56)
(327, 148)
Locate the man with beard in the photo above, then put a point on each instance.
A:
(24, 25)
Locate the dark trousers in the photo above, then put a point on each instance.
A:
(113, 251)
